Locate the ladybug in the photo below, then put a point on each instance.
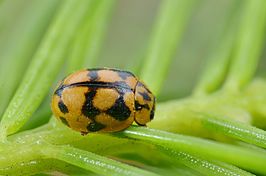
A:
(102, 99)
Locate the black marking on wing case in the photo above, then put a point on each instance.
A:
(95, 126)
(93, 74)
(124, 75)
(140, 84)
(64, 121)
(145, 96)
(88, 109)
(112, 69)
(119, 110)
(63, 108)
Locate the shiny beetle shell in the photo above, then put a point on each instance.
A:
(102, 99)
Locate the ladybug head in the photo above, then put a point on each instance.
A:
(144, 104)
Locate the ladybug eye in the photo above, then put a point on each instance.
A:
(137, 106)
(140, 106)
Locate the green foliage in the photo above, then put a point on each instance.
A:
(218, 130)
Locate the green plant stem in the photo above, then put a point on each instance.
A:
(167, 33)
(40, 116)
(185, 143)
(43, 165)
(25, 168)
(88, 43)
(97, 143)
(98, 164)
(69, 135)
(26, 153)
(80, 158)
(204, 166)
(236, 130)
(26, 35)
(179, 116)
(257, 102)
(248, 46)
(238, 156)
(38, 78)
(217, 116)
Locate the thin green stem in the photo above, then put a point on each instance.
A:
(77, 157)
(18, 153)
(204, 166)
(66, 135)
(43, 165)
(24, 168)
(96, 163)
(234, 129)
(44, 67)
(249, 45)
(99, 143)
(235, 155)
(167, 33)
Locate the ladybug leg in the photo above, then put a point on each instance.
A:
(83, 133)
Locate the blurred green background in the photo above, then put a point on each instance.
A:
(128, 34)
(130, 30)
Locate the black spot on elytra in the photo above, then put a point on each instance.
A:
(145, 96)
(95, 126)
(63, 108)
(124, 75)
(88, 109)
(64, 121)
(139, 106)
(140, 84)
(119, 110)
(111, 69)
(122, 87)
(93, 74)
